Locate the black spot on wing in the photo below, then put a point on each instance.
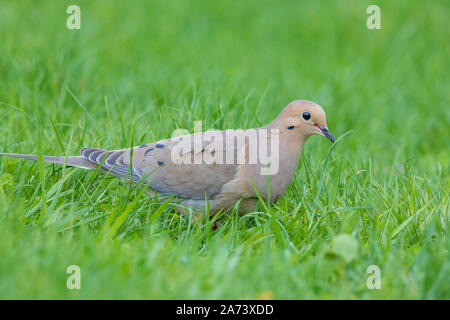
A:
(159, 146)
(148, 151)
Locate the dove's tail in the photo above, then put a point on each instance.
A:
(72, 161)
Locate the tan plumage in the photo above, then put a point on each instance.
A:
(223, 184)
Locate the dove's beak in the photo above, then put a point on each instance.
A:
(326, 132)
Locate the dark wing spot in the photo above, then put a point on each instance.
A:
(159, 146)
(146, 152)
(291, 127)
(160, 163)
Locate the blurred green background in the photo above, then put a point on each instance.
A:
(137, 70)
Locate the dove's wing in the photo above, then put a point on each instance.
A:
(188, 167)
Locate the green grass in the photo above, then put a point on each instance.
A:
(136, 71)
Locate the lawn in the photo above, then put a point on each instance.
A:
(138, 70)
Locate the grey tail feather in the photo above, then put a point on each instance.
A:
(72, 161)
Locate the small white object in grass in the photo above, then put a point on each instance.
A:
(74, 280)
(74, 20)
(374, 280)
(374, 20)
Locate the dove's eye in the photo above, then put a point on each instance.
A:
(306, 115)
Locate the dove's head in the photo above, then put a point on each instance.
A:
(303, 118)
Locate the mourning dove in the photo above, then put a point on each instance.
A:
(217, 168)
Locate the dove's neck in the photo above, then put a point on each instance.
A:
(289, 150)
(290, 145)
